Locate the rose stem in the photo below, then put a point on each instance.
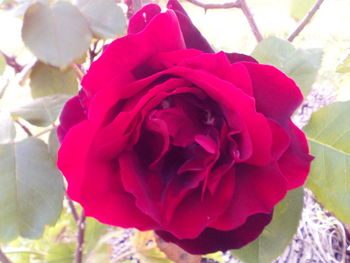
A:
(241, 4)
(25, 128)
(72, 209)
(4, 258)
(80, 239)
(305, 20)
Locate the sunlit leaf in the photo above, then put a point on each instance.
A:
(94, 230)
(2, 64)
(299, 8)
(301, 65)
(105, 17)
(47, 80)
(345, 66)
(61, 253)
(31, 189)
(43, 111)
(277, 235)
(56, 34)
(7, 128)
(146, 248)
(328, 133)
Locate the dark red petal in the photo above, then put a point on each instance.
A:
(71, 115)
(237, 57)
(193, 38)
(258, 190)
(116, 65)
(95, 184)
(280, 140)
(197, 210)
(212, 240)
(142, 18)
(295, 162)
(276, 95)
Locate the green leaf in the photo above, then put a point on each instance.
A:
(7, 128)
(328, 133)
(301, 65)
(299, 8)
(94, 230)
(278, 234)
(2, 64)
(345, 66)
(53, 144)
(46, 80)
(43, 111)
(56, 34)
(32, 189)
(61, 253)
(105, 17)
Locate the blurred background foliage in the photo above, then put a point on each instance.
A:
(47, 45)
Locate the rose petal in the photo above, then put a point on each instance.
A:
(295, 162)
(116, 65)
(237, 57)
(72, 114)
(104, 198)
(258, 190)
(193, 38)
(142, 18)
(212, 240)
(276, 95)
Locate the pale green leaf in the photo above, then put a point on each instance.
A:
(61, 253)
(32, 189)
(328, 133)
(301, 65)
(7, 128)
(2, 64)
(345, 66)
(46, 80)
(53, 144)
(277, 235)
(43, 111)
(299, 8)
(56, 34)
(94, 230)
(105, 17)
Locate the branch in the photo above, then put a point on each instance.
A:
(241, 4)
(235, 4)
(72, 209)
(4, 258)
(80, 239)
(305, 20)
(25, 128)
(11, 61)
(246, 11)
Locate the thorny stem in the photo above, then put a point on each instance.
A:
(11, 61)
(235, 4)
(72, 209)
(248, 14)
(80, 239)
(305, 20)
(25, 128)
(4, 258)
(241, 4)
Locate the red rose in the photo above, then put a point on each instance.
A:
(170, 136)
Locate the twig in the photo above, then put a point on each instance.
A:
(72, 209)
(305, 20)
(45, 131)
(4, 258)
(80, 239)
(246, 11)
(235, 4)
(11, 61)
(25, 128)
(241, 4)
(78, 69)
